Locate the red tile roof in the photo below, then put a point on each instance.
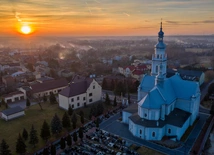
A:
(137, 72)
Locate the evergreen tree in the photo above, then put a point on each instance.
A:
(6, 105)
(45, 151)
(69, 140)
(45, 98)
(75, 137)
(97, 123)
(115, 101)
(3, 101)
(4, 148)
(20, 145)
(56, 126)
(74, 120)
(129, 98)
(66, 121)
(100, 108)
(27, 103)
(107, 101)
(25, 134)
(45, 131)
(53, 149)
(70, 110)
(62, 143)
(82, 117)
(33, 136)
(80, 133)
(52, 98)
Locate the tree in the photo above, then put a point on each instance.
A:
(69, 140)
(33, 137)
(62, 143)
(56, 126)
(45, 151)
(115, 101)
(6, 105)
(45, 131)
(70, 110)
(3, 101)
(81, 133)
(129, 98)
(97, 123)
(30, 67)
(20, 145)
(27, 103)
(82, 117)
(75, 137)
(4, 148)
(53, 149)
(100, 108)
(52, 98)
(74, 120)
(25, 134)
(119, 89)
(107, 101)
(66, 121)
(45, 98)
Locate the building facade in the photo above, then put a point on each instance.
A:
(80, 93)
(166, 106)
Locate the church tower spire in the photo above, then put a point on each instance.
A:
(159, 57)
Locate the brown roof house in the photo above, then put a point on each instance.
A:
(14, 96)
(45, 88)
(80, 92)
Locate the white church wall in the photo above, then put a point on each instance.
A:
(154, 114)
(154, 133)
(182, 130)
(125, 117)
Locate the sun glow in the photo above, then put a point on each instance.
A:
(26, 29)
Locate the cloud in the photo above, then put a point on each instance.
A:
(204, 22)
(144, 27)
(128, 15)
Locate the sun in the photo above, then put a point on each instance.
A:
(26, 29)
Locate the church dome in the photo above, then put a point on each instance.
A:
(160, 45)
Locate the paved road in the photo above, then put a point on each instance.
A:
(112, 125)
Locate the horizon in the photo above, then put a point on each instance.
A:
(108, 18)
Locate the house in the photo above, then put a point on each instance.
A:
(45, 88)
(166, 106)
(80, 92)
(12, 113)
(191, 75)
(14, 96)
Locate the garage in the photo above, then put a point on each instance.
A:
(8, 100)
(12, 113)
(22, 98)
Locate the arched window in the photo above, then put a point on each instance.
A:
(153, 134)
(140, 131)
(169, 130)
(156, 69)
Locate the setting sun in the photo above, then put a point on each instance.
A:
(25, 29)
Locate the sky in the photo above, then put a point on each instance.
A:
(107, 17)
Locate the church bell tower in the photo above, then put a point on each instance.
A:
(159, 58)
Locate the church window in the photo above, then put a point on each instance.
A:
(153, 134)
(158, 56)
(156, 69)
(140, 131)
(145, 114)
(169, 130)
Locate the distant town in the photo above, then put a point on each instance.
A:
(107, 95)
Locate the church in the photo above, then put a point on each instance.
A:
(166, 106)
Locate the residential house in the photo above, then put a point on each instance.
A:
(14, 96)
(45, 88)
(80, 92)
(12, 113)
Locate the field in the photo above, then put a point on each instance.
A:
(33, 115)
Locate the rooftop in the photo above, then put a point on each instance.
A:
(13, 110)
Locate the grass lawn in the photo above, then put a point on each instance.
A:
(34, 115)
(144, 150)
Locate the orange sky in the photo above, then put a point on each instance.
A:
(107, 17)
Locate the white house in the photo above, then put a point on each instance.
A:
(12, 113)
(79, 93)
(14, 96)
(46, 87)
(166, 106)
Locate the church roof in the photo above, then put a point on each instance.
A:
(147, 83)
(131, 109)
(171, 89)
(177, 114)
